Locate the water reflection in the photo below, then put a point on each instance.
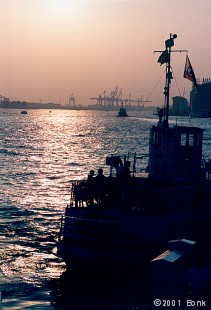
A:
(40, 155)
(30, 299)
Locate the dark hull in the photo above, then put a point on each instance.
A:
(122, 112)
(136, 230)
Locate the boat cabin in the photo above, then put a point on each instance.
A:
(175, 153)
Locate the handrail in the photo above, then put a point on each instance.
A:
(92, 221)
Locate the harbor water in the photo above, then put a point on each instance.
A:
(41, 154)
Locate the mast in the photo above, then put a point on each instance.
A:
(174, 152)
(169, 43)
(165, 57)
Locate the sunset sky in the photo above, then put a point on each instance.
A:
(53, 48)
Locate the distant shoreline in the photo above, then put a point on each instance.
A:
(42, 106)
(50, 106)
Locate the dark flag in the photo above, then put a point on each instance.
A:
(189, 73)
(163, 57)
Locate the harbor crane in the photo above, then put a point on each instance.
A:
(71, 100)
(115, 97)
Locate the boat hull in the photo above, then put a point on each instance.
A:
(133, 234)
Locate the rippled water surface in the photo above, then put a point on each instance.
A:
(41, 153)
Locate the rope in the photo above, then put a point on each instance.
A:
(125, 134)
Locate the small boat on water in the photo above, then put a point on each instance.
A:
(122, 111)
(130, 216)
(24, 112)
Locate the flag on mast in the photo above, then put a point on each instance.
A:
(164, 56)
(189, 73)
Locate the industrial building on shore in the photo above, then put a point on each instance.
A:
(200, 99)
(180, 106)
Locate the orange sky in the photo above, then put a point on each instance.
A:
(52, 48)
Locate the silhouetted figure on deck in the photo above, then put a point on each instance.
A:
(125, 171)
(117, 164)
(90, 176)
(100, 182)
(100, 178)
(91, 186)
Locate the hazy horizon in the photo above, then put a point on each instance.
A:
(53, 48)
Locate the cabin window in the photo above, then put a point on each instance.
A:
(154, 138)
(183, 139)
(198, 139)
(191, 139)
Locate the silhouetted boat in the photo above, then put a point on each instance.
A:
(24, 112)
(122, 111)
(130, 216)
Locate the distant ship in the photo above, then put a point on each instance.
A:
(122, 111)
